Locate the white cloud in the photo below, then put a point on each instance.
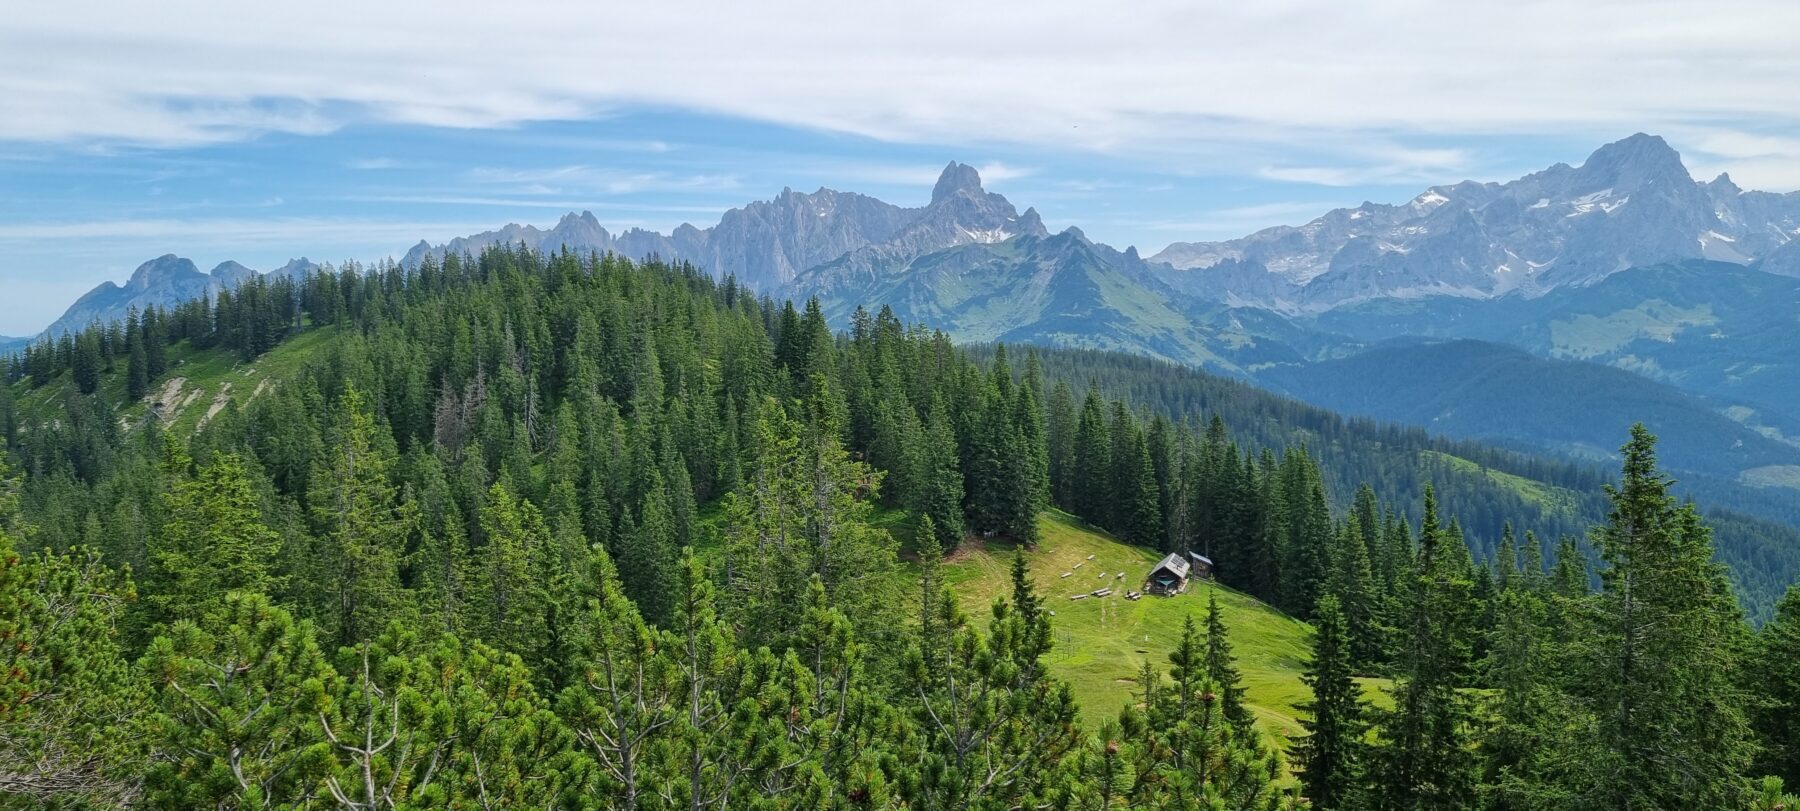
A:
(231, 231)
(1167, 74)
(377, 164)
(1754, 160)
(581, 178)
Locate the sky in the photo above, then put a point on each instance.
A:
(259, 132)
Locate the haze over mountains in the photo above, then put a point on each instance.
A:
(1632, 203)
(1688, 290)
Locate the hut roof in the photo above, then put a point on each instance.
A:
(1174, 563)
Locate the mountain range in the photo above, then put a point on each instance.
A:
(163, 281)
(1482, 310)
(1632, 203)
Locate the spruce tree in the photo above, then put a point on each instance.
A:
(1092, 479)
(1422, 757)
(1775, 677)
(1139, 508)
(364, 527)
(1330, 756)
(648, 552)
(1659, 663)
(938, 491)
(1221, 667)
(215, 541)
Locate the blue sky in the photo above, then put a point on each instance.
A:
(346, 130)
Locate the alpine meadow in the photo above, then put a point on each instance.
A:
(1482, 494)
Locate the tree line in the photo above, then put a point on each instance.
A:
(547, 530)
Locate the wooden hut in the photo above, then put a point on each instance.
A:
(1200, 566)
(1169, 577)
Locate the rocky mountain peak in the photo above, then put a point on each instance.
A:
(1724, 184)
(1030, 224)
(1636, 161)
(230, 273)
(160, 269)
(956, 177)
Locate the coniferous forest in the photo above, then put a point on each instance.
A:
(556, 531)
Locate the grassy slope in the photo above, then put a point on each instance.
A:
(204, 375)
(1101, 643)
(1549, 497)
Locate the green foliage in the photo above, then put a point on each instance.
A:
(1422, 757)
(1774, 670)
(1330, 756)
(802, 513)
(71, 713)
(1660, 653)
(437, 475)
(235, 710)
(215, 541)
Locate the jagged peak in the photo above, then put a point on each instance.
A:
(1031, 224)
(956, 177)
(585, 218)
(1636, 157)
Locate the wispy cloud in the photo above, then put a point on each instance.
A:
(583, 178)
(561, 204)
(296, 231)
(1053, 79)
(378, 164)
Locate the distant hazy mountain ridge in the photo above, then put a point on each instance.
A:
(164, 281)
(1632, 203)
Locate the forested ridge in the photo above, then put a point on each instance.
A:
(562, 531)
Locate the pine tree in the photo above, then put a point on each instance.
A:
(364, 528)
(1671, 729)
(993, 724)
(1330, 755)
(1093, 462)
(1775, 676)
(1191, 753)
(71, 707)
(237, 710)
(1422, 758)
(1221, 667)
(215, 541)
(628, 695)
(938, 492)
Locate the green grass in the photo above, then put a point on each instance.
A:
(197, 378)
(1551, 499)
(1102, 643)
(1588, 336)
